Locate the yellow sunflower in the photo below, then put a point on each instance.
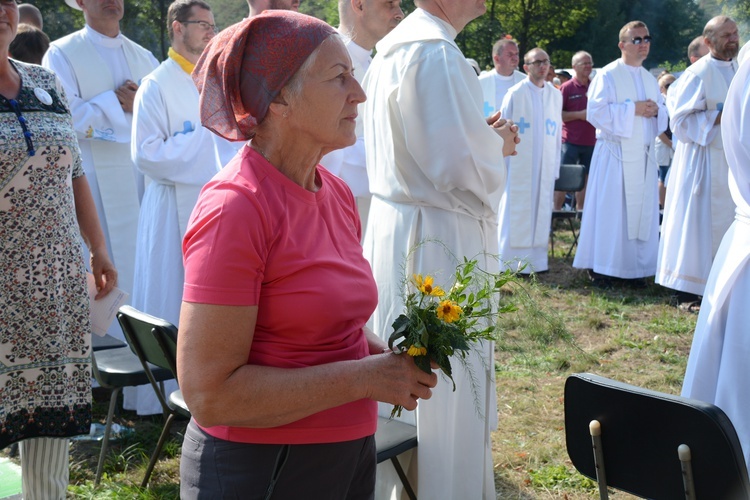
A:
(425, 286)
(416, 351)
(449, 311)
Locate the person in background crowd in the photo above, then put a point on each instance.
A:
(496, 83)
(525, 212)
(30, 14)
(620, 226)
(698, 208)
(363, 24)
(663, 145)
(283, 405)
(100, 69)
(578, 135)
(420, 92)
(175, 153)
(45, 207)
(29, 45)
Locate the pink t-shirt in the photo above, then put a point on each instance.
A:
(256, 238)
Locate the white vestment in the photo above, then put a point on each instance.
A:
(526, 207)
(175, 153)
(436, 172)
(91, 66)
(349, 163)
(619, 230)
(698, 209)
(494, 87)
(718, 368)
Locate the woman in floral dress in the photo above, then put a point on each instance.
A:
(45, 203)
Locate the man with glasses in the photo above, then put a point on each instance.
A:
(578, 135)
(100, 69)
(175, 154)
(495, 84)
(698, 208)
(525, 213)
(619, 230)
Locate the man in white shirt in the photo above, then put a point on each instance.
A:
(620, 228)
(174, 152)
(525, 213)
(435, 167)
(496, 83)
(100, 70)
(363, 24)
(698, 209)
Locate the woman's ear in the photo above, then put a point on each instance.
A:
(279, 106)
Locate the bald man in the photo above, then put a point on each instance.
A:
(698, 208)
(363, 24)
(29, 14)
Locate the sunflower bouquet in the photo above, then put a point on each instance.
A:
(438, 324)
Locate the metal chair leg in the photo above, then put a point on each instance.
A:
(107, 431)
(157, 451)
(404, 480)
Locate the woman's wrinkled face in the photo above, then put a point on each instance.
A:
(325, 111)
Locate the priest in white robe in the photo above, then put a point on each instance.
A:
(363, 24)
(100, 69)
(718, 368)
(526, 206)
(619, 230)
(436, 171)
(698, 209)
(175, 154)
(496, 83)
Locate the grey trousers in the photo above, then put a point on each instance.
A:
(212, 468)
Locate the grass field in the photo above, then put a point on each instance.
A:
(563, 326)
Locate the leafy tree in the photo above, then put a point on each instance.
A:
(672, 23)
(540, 23)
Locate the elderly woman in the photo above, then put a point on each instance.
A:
(45, 388)
(274, 361)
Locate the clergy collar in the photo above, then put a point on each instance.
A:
(103, 40)
(722, 62)
(503, 77)
(186, 65)
(359, 51)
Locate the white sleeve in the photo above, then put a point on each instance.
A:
(445, 130)
(184, 157)
(101, 117)
(604, 112)
(690, 120)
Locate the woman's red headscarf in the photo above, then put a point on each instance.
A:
(244, 68)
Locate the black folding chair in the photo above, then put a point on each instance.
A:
(392, 438)
(651, 444)
(571, 180)
(138, 328)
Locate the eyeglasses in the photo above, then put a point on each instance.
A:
(26, 134)
(543, 62)
(639, 40)
(583, 64)
(203, 24)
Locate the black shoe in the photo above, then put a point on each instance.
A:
(599, 280)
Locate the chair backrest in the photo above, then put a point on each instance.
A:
(571, 178)
(166, 338)
(137, 327)
(640, 433)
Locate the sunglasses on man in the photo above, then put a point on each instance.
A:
(639, 40)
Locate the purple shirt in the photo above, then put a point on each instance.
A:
(578, 132)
